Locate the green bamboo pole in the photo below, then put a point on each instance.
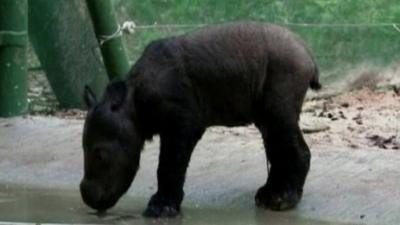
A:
(109, 37)
(13, 69)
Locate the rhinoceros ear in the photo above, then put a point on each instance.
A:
(89, 97)
(116, 94)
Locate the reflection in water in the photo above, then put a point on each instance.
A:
(263, 217)
(60, 206)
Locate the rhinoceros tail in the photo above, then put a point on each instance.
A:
(314, 83)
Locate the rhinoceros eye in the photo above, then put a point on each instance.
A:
(100, 154)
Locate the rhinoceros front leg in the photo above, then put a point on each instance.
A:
(176, 149)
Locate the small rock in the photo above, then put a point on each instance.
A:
(358, 119)
(342, 116)
(353, 146)
(345, 104)
(396, 90)
(383, 142)
(332, 117)
(314, 127)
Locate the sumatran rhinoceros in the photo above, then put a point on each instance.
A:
(229, 74)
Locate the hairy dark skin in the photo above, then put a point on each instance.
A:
(231, 75)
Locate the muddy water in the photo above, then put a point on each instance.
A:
(35, 206)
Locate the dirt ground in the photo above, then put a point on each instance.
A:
(358, 119)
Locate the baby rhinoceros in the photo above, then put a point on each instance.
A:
(229, 74)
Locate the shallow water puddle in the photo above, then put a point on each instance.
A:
(27, 206)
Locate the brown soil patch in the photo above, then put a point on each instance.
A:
(359, 119)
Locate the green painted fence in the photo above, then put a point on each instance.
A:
(342, 33)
